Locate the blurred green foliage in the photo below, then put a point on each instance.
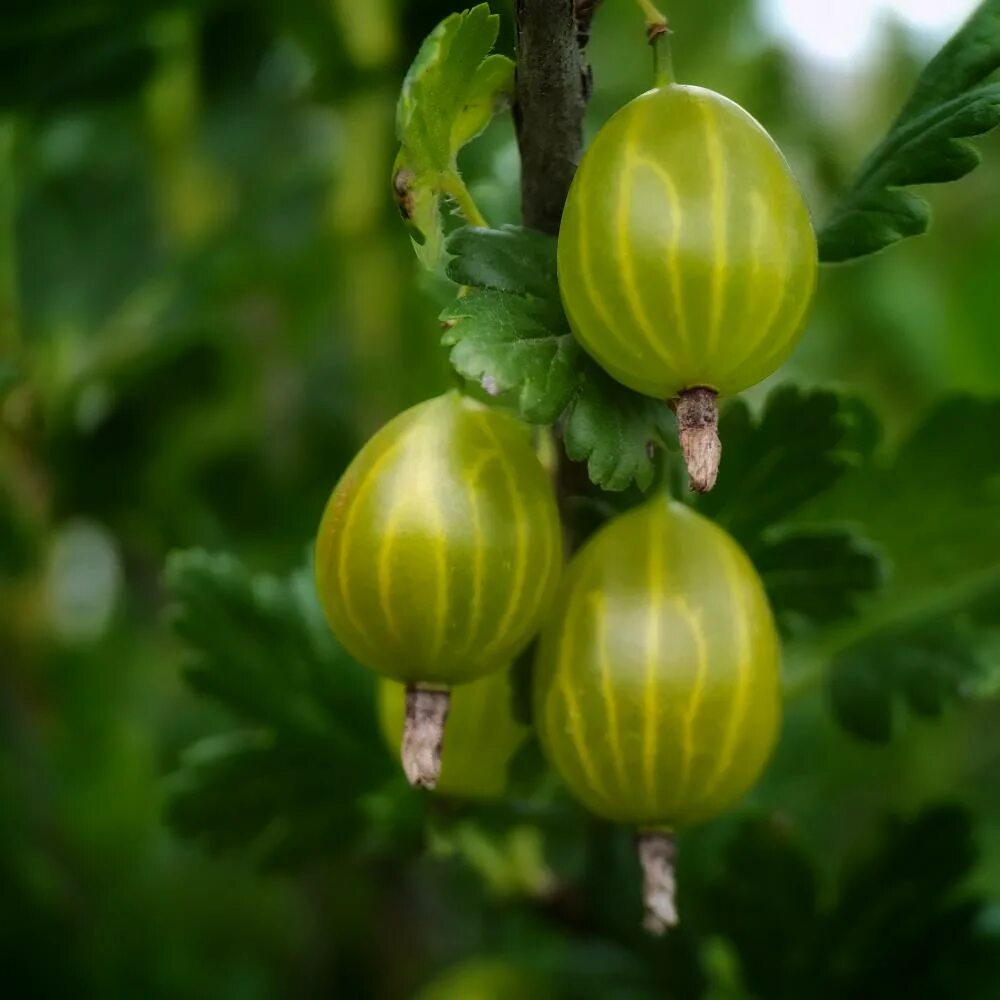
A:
(207, 301)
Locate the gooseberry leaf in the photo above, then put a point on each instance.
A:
(508, 332)
(902, 912)
(451, 91)
(927, 144)
(296, 772)
(817, 574)
(799, 446)
(922, 669)
(932, 508)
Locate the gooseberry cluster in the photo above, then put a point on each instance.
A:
(686, 263)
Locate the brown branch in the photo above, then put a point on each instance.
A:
(553, 83)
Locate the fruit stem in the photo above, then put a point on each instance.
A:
(658, 35)
(698, 429)
(423, 734)
(657, 850)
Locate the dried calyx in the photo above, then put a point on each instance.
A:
(698, 430)
(423, 735)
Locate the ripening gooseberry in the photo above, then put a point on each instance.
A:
(687, 259)
(656, 688)
(437, 556)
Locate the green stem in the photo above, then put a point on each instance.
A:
(453, 186)
(658, 35)
(9, 327)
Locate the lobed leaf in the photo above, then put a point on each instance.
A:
(509, 334)
(802, 443)
(450, 92)
(901, 913)
(295, 779)
(923, 669)
(933, 508)
(925, 145)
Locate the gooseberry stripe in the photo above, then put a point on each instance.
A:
(576, 727)
(384, 565)
(475, 520)
(521, 553)
(653, 644)
(442, 600)
(625, 262)
(720, 201)
(673, 248)
(600, 620)
(364, 487)
(693, 620)
(727, 753)
(590, 284)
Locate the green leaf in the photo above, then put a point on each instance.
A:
(509, 259)
(901, 913)
(295, 780)
(802, 443)
(800, 446)
(922, 669)
(934, 509)
(925, 145)
(818, 574)
(616, 431)
(510, 335)
(506, 344)
(451, 91)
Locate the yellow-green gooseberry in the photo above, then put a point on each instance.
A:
(656, 685)
(438, 555)
(687, 259)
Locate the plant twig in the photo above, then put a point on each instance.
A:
(553, 83)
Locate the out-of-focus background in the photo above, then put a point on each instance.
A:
(207, 303)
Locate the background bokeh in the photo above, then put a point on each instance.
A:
(207, 302)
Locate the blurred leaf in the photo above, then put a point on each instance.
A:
(934, 509)
(61, 54)
(818, 574)
(900, 915)
(509, 334)
(283, 800)
(904, 917)
(298, 779)
(450, 93)
(800, 446)
(925, 668)
(925, 145)
(765, 861)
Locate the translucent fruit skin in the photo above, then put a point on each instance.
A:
(686, 254)
(440, 548)
(481, 739)
(656, 688)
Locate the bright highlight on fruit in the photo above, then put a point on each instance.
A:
(687, 259)
(656, 687)
(437, 556)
